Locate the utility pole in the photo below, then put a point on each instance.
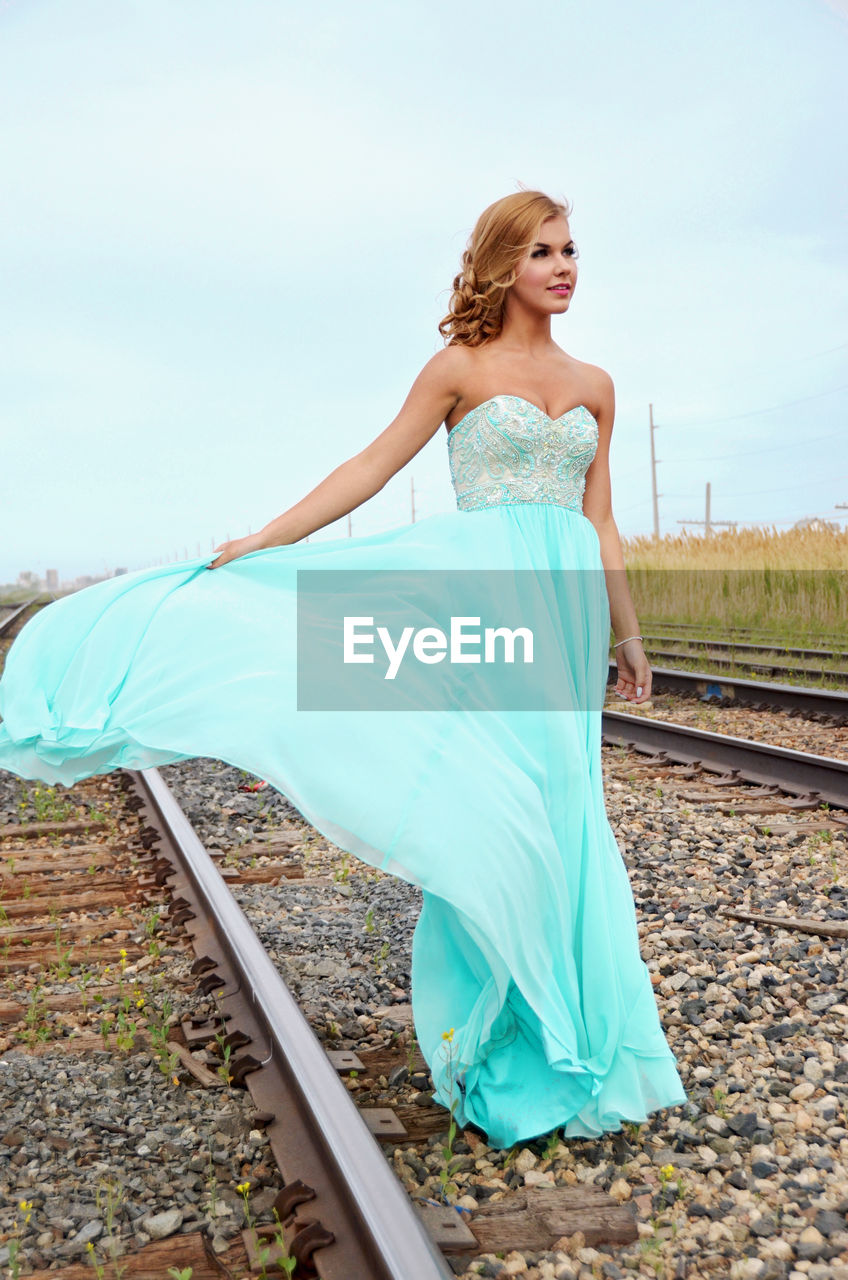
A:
(412, 497)
(654, 461)
(708, 523)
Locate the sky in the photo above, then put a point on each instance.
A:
(228, 234)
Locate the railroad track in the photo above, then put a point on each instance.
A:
(343, 1212)
(67, 892)
(765, 658)
(13, 616)
(825, 706)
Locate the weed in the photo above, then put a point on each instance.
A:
(226, 1052)
(342, 874)
(450, 1160)
(109, 1198)
(36, 1016)
(63, 966)
(549, 1150)
(720, 1095)
(25, 1207)
(158, 1021)
(263, 1242)
(283, 1260)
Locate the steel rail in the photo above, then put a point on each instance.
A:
(745, 646)
(793, 771)
(376, 1233)
(5, 623)
(762, 666)
(783, 696)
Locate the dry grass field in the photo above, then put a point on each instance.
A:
(791, 584)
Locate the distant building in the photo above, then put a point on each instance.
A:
(51, 579)
(118, 573)
(28, 579)
(816, 523)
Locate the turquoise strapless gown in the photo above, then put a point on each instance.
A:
(527, 945)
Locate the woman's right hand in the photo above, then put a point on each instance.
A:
(634, 672)
(237, 547)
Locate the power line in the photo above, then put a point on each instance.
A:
(808, 484)
(768, 372)
(770, 448)
(755, 413)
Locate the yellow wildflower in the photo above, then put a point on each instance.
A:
(448, 1035)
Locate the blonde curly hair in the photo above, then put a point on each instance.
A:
(502, 237)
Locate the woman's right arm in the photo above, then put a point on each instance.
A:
(431, 397)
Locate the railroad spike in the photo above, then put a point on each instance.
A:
(210, 982)
(237, 1040)
(242, 1067)
(181, 915)
(293, 1194)
(311, 1235)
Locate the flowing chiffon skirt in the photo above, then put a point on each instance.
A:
(527, 944)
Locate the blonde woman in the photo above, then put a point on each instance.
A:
(483, 786)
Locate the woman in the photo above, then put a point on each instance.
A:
(530, 999)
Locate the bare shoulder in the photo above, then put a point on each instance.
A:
(599, 391)
(447, 369)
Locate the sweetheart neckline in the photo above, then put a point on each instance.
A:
(505, 395)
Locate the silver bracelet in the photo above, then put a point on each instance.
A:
(624, 641)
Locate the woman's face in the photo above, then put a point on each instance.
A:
(547, 276)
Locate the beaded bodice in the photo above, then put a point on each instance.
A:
(507, 450)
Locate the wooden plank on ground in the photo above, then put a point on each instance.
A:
(60, 861)
(825, 928)
(155, 1259)
(535, 1218)
(30, 830)
(92, 952)
(61, 899)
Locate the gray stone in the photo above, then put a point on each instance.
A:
(90, 1231)
(160, 1225)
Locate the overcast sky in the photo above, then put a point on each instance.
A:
(228, 234)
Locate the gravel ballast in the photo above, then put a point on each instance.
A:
(749, 1178)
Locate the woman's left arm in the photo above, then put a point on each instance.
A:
(634, 673)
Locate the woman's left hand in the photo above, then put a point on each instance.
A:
(634, 673)
(235, 548)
